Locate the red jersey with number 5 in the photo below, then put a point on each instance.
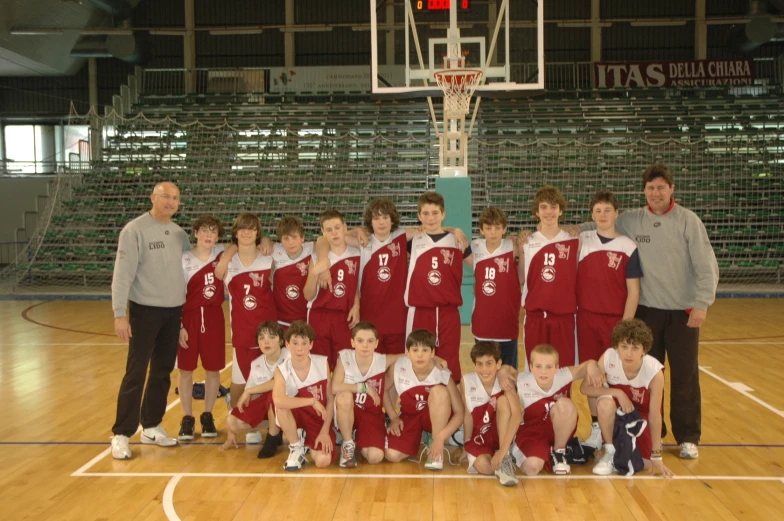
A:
(383, 283)
(345, 279)
(203, 290)
(435, 272)
(251, 299)
(551, 273)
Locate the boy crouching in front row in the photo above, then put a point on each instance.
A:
(492, 416)
(304, 403)
(255, 404)
(429, 401)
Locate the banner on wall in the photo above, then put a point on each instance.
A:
(354, 78)
(696, 73)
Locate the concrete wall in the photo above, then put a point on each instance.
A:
(19, 195)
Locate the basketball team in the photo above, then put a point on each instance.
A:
(357, 335)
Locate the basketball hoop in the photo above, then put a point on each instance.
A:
(458, 86)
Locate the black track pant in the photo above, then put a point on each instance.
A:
(680, 343)
(155, 333)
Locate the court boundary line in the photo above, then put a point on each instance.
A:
(742, 389)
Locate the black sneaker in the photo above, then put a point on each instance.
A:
(208, 429)
(270, 447)
(559, 463)
(187, 426)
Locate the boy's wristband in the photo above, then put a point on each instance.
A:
(656, 457)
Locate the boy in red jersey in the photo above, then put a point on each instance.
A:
(492, 416)
(304, 403)
(247, 276)
(635, 380)
(608, 287)
(383, 272)
(496, 315)
(435, 274)
(429, 401)
(255, 404)
(333, 312)
(291, 261)
(549, 415)
(549, 272)
(203, 329)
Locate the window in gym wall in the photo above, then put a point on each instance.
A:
(24, 146)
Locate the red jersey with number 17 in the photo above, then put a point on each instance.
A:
(345, 279)
(551, 273)
(251, 299)
(383, 282)
(435, 272)
(203, 290)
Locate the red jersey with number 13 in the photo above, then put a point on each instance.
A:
(551, 273)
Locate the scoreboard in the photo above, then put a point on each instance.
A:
(437, 5)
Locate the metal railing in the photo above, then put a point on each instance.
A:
(162, 82)
(9, 167)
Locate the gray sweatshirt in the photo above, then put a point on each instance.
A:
(148, 267)
(680, 267)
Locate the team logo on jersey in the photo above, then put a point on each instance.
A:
(315, 392)
(352, 267)
(249, 301)
(292, 292)
(384, 273)
(638, 395)
(448, 256)
(394, 249)
(613, 260)
(339, 290)
(421, 402)
(503, 264)
(434, 277)
(258, 279)
(548, 274)
(563, 251)
(186, 260)
(488, 288)
(209, 291)
(303, 268)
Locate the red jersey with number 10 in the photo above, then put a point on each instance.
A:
(551, 273)
(203, 290)
(345, 279)
(435, 272)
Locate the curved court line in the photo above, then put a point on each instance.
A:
(26, 316)
(168, 498)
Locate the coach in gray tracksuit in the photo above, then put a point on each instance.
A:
(148, 277)
(681, 275)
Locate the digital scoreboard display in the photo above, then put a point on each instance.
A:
(437, 5)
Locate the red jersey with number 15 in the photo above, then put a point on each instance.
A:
(251, 299)
(551, 273)
(383, 283)
(345, 279)
(203, 290)
(435, 272)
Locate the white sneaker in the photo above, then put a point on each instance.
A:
(296, 458)
(431, 464)
(595, 439)
(456, 440)
(348, 457)
(120, 447)
(605, 467)
(689, 451)
(506, 474)
(253, 437)
(157, 436)
(560, 465)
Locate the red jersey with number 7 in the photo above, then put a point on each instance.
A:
(251, 299)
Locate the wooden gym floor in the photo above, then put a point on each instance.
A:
(61, 366)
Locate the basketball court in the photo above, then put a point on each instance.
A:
(61, 367)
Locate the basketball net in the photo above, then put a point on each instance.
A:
(458, 85)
